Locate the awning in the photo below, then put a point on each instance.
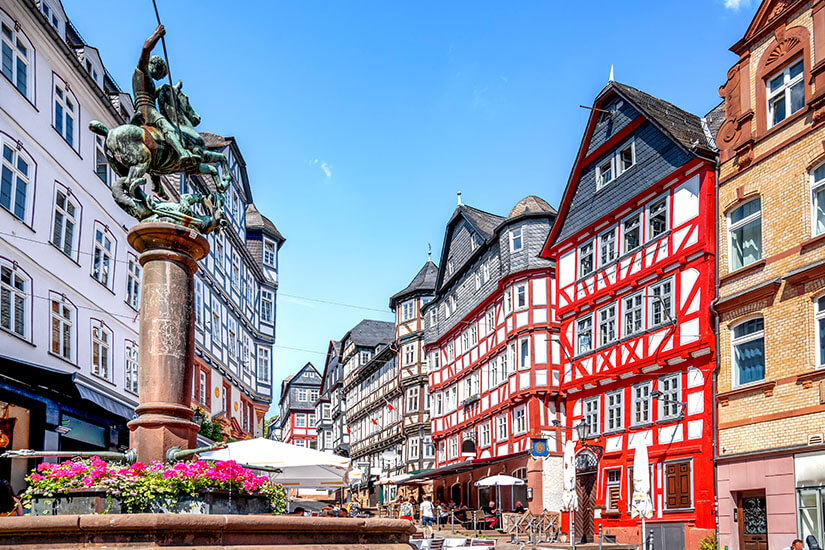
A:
(393, 480)
(459, 468)
(104, 401)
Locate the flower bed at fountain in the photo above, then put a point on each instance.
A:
(95, 486)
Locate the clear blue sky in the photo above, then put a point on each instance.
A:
(359, 121)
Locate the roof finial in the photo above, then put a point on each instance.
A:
(429, 252)
(459, 198)
(611, 73)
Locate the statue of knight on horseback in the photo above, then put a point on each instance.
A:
(159, 142)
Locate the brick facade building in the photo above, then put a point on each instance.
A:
(771, 222)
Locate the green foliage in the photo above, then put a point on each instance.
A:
(708, 543)
(212, 430)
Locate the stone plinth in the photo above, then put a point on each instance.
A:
(169, 256)
(215, 532)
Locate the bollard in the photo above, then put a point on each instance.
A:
(452, 522)
(649, 544)
(475, 527)
(600, 536)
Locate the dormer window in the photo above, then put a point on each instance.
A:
(269, 253)
(786, 92)
(51, 15)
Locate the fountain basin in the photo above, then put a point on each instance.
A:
(205, 532)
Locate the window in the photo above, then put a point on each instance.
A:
(465, 341)
(311, 420)
(269, 253)
(216, 327)
(515, 239)
(641, 403)
(409, 354)
(677, 485)
(326, 411)
(453, 447)
(586, 260)
(524, 353)
(521, 295)
(657, 219)
(626, 157)
(473, 334)
(428, 447)
(590, 415)
(302, 394)
(300, 420)
(604, 173)
(745, 230)
(408, 310)
(508, 300)
(133, 283)
(477, 280)
(219, 253)
(786, 93)
(64, 223)
(614, 407)
(65, 112)
(661, 303)
(267, 306)
(607, 247)
(671, 388)
(501, 422)
(505, 372)
(236, 271)
(13, 300)
(450, 266)
(412, 448)
(490, 320)
(412, 399)
(818, 192)
(101, 164)
(198, 302)
(264, 364)
(632, 233)
(14, 182)
(519, 421)
(613, 489)
(103, 255)
(584, 335)
(16, 59)
(50, 14)
(62, 317)
(749, 351)
(484, 434)
(495, 377)
(607, 325)
(450, 352)
(203, 393)
(313, 395)
(132, 367)
(101, 343)
(485, 271)
(820, 331)
(633, 314)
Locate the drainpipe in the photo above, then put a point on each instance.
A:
(715, 372)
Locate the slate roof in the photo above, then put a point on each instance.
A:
(686, 128)
(715, 118)
(484, 222)
(369, 333)
(531, 204)
(424, 281)
(256, 220)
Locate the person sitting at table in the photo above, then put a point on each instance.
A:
(460, 513)
(519, 507)
(490, 514)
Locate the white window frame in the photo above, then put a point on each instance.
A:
(649, 213)
(736, 341)
(579, 334)
(607, 318)
(640, 401)
(612, 485)
(132, 378)
(101, 359)
(734, 226)
(502, 429)
(522, 298)
(516, 239)
(670, 386)
(620, 168)
(614, 402)
(587, 250)
(784, 90)
(640, 228)
(484, 439)
(14, 41)
(16, 176)
(524, 353)
(65, 108)
(215, 327)
(663, 299)
(63, 315)
(409, 354)
(300, 420)
(605, 173)
(264, 364)
(638, 312)
(202, 385)
(508, 300)
(133, 270)
(613, 165)
(819, 319)
(413, 399)
(269, 252)
(607, 245)
(519, 421)
(101, 162)
(64, 225)
(302, 394)
(591, 414)
(103, 258)
(267, 306)
(408, 310)
(413, 447)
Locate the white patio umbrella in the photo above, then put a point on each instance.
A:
(499, 481)
(569, 497)
(640, 503)
(300, 468)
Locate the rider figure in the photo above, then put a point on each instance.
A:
(143, 86)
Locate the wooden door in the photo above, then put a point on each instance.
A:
(586, 489)
(752, 516)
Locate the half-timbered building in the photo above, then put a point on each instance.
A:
(493, 372)
(299, 393)
(634, 252)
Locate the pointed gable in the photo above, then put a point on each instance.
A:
(423, 282)
(465, 225)
(662, 137)
(769, 14)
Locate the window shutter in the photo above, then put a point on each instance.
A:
(684, 484)
(678, 485)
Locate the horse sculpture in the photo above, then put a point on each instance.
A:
(136, 150)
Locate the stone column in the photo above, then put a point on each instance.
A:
(169, 255)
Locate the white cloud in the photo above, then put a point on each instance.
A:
(324, 166)
(736, 4)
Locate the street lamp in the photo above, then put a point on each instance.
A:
(583, 432)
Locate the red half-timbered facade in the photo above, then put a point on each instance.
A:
(494, 368)
(634, 247)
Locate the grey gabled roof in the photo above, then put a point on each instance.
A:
(484, 222)
(369, 333)
(256, 220)
(424, 281)
(684, 127)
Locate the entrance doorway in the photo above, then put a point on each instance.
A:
(752, 517)
(586, 469)
(455, 494)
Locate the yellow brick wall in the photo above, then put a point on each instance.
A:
(782, 180)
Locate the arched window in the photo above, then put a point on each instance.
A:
(745, 234)
(66, 112)
(16, 179)
(15, 299)
(17, 56)
(748, 343)
(63, 317)
(101, 350)
(65, 227)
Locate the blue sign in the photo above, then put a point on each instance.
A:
(539, 447)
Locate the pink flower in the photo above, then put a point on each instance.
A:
(35, 477)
